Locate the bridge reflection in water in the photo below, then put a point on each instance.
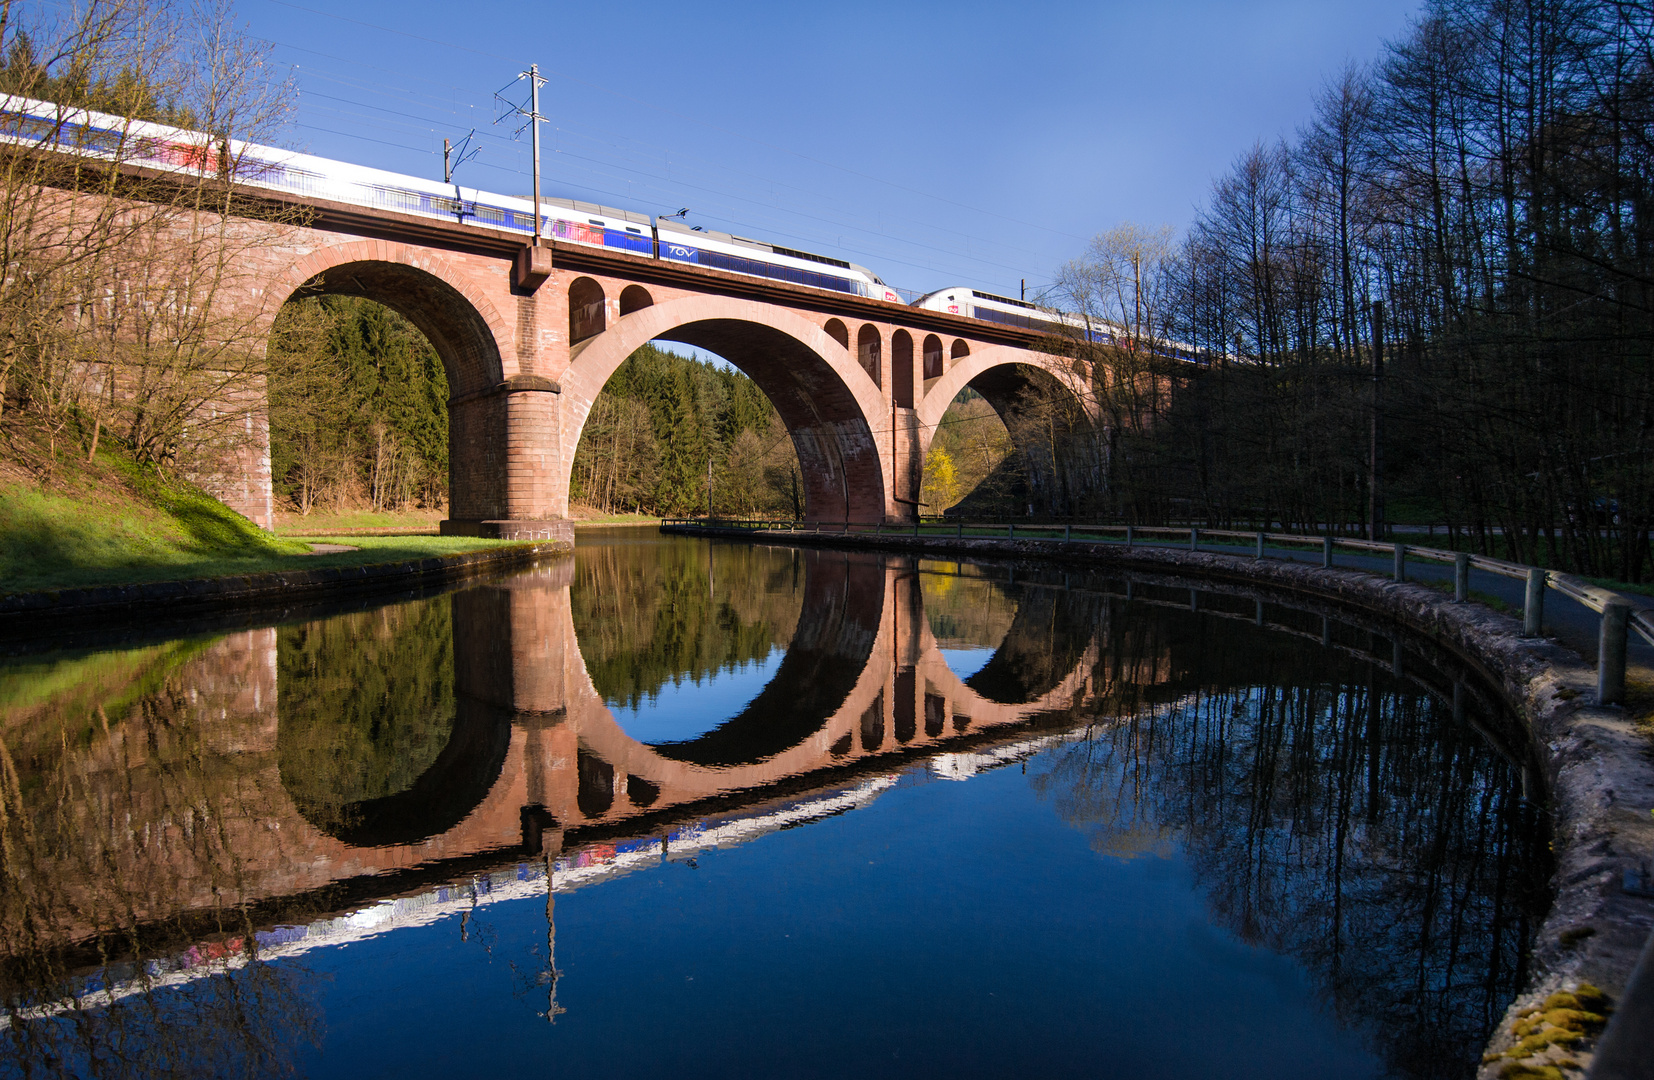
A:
(314, 783)
(534, 751)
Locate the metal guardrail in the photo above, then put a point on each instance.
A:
(1619, 614)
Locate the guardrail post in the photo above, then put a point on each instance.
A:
(1533, 606)
(1128, 537)
(1616, 618)
(1067, 533)
(959, 533)
(1326, 552)
(1461, 577)
(1194, 600)
(915, 527)
(1194, 539)
(1401, 561)
(1011, 530)
(1257, 616)
(1259, 555)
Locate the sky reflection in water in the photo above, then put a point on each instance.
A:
(1183, 846)
(687, 708)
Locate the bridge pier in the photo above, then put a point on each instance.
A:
(503, 447)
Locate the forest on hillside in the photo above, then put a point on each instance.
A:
(358, 409)
(1489, 180)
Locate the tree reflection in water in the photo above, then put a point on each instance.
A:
(114, 808)
(248, 1022)
(1337, 815)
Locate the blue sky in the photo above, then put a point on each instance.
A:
(938, 144)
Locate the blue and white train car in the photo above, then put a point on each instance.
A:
(726, 251)
(962, 300)
(27, 122)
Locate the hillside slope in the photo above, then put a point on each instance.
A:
(111, 520)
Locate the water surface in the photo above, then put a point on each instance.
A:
(804, 813)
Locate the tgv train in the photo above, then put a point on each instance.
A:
(963, 300)
(25, 121)
(28, 122)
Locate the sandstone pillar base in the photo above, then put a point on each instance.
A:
(550, 529)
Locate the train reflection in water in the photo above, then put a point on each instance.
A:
(322, 783)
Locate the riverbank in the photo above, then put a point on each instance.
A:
(1597, 762)
(376, 564)
(426, 522)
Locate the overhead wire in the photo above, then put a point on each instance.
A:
(670, 186)
(873, 255)
(863, 254)
(609, 137)
(690, 119)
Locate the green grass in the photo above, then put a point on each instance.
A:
(370, 550)
(114, 522)
(315, 524)
(618, 519)
(1639, 587)
(88, 680)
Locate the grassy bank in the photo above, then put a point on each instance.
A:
(348, 522)
(113, 522)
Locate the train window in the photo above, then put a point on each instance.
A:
(632, 230)
(594, 221)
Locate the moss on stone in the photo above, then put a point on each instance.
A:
(1517, 1070)
(1571, 938)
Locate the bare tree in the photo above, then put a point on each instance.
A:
(126, 251)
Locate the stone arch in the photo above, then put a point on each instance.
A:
(461, 324)
(961, 348)
(588, 314)
(442, 796)
(1048, 640)
(974, 370)
(464, 328)
(838, 332)
(933, 357)
(632, 298)
(824, 398)
(901, 369)
(595, 779)
(870, 353)
(826, 658)
(1008, 377)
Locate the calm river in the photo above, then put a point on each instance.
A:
(802, 813)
